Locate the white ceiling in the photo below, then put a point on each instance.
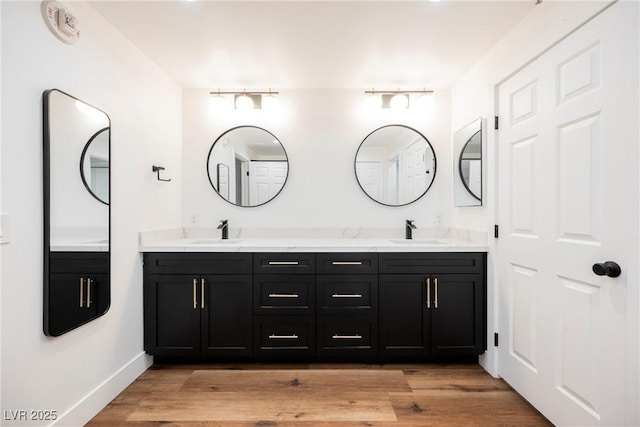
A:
(314, 44)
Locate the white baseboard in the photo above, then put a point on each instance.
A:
(85, 409)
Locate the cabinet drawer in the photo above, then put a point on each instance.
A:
(342, 333)
(339, 294)
(79, 262)
(198, 263)
(283, 294)
(284, 263)
(442, 262)
(293, 334)
(347, 263)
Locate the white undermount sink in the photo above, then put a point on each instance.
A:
(217, 241)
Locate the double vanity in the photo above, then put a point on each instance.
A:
(314, 299)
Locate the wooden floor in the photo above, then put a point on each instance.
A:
(317, 395)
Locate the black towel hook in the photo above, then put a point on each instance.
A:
(158, 169)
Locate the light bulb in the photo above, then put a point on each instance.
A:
(269, 102)
(425, 101)
(217, 102)
(373, 101)
(399, 101)
(244, 102)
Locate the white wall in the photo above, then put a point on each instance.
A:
(320, 131)
(78, 373)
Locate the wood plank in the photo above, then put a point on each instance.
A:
(260, 406)
(469, 408)
(326, 380)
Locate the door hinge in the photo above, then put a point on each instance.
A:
(496, 231)
(495, 122)
(495, 339)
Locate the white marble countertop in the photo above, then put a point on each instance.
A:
(184, 240)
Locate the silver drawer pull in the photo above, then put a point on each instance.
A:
(283, 295)
(284, 262)
(283, 337)
(347, 337)
(346, 296)
(346, 262)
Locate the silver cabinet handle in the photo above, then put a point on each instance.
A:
(346, 262)
(284, 262)
(201, 293)
(346, 296)
(428, 292)
(81, 291)
(436, 301)
(283, 337)
(347, 337)
(283, 295)
(89, 282)
(195, 300)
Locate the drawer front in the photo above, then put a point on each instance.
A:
(442, 262)
(79, 262)
(341, 294)
(284, 263)
(347, 263)
(283, 294)
(342, 333)
(278, 333)
(198, 263)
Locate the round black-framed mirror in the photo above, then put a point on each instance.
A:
(470, 164)
(94, 165)
(247, 166)
(395, 165)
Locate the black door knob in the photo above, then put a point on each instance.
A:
(608, 268)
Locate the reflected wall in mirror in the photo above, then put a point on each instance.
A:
(94, 165)
(247, 166)
(467, 165)
(395, 165)
(76, 212)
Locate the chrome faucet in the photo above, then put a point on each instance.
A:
(408, 229)
(224, 226)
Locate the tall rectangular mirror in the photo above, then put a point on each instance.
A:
(467, 165)
(76, 178)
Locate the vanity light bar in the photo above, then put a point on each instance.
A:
(244, 92)
(395, 92)
(246, 100)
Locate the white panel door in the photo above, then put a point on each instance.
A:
(370, 178)
(266, 179)
(562, 193)
(415, 179)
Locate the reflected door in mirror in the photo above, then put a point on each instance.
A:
(76, 148)
(247, 166)
(395, 165)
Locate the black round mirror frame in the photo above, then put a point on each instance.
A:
(464, 181)
(435, 164)
(82, 156)
(219, 138)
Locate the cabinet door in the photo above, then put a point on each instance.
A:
(226, 306)
(457, 315)
(172, 315)
(404, 317)
(72, 301)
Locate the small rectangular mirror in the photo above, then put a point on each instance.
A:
(76, 166)
(467, 165)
